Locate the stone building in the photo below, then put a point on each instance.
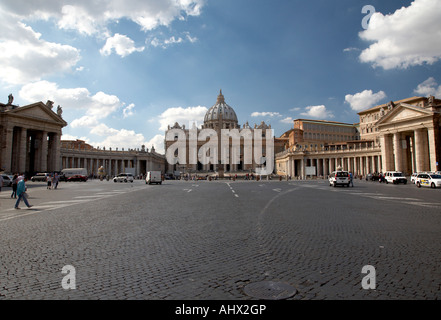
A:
(79, 154)
(220, 116)
(30, 137)
(398, 136)
(30, 142)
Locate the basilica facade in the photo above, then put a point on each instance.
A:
(220, 117)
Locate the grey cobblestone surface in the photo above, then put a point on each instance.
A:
(200, 240)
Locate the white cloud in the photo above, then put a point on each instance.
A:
(97, 106)
(350, 49)
(25, 57)
(127, 139)
(295, 109)
(65, 136)
(128, 111)
(288, 120)
(122, 45)
(92, 17)
(265, 114)
(364, 100)
(184, 116)
(408, 37)
(317, 112)
(429, 88)
(165, 43)
(158, 142)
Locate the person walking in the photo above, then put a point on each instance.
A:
(14, 186)
(49, 181)
(55, 181)
(351, 180)
(21, 192)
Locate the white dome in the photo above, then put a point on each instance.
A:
(221, 108)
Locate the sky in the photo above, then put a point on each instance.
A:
(123, 70)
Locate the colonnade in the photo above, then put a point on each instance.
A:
(29, 150)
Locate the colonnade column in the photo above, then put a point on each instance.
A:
(7, 150)
(420, 150)
(432, 149)
(387, 151)
(43, 152)
(22, 151)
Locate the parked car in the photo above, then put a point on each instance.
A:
(395, 177)
(40, 177)
(77, 177)
(339, 178)
(123, 177)
(413, 177)
(428, 180)
(7, 180)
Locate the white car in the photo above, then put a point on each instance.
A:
(395, 177)
(339, 178)
(413, 177)
(428, 180)
(124, 177)
(7, 180)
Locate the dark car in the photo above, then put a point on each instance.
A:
(77, 177)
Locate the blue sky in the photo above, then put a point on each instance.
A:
(124, 70)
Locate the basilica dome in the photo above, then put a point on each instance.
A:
(221, 111)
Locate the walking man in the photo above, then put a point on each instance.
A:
(351, 182)
(21, 192)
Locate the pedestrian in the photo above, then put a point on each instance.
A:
(351, 182)
(49, 181)
(14, 186)
(56, 178)
(21, 192)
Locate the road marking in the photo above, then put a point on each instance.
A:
(53, 205)
(277, 190)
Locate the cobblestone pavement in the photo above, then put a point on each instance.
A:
(207, 240)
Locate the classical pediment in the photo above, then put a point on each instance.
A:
(404, 112)
(38, 112)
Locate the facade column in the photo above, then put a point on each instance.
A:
(432, 149)
(43, 153)
(398, 151)
(56, 152)
(387, 153)
(319, 168)
(23, 150)
(350, 165)
(7, 150)
(420, 150)
(356, 168)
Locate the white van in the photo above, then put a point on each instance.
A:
(337, 178)
(69, 172)
(153, 177)
(395, 177)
